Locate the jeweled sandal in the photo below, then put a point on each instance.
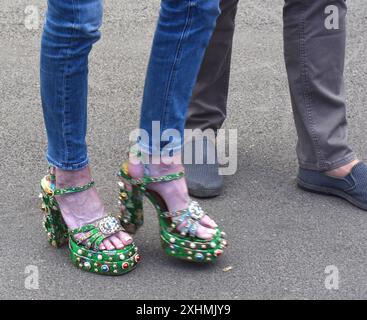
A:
(183, 243)
(83, 249)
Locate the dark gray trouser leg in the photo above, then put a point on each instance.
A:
(209, 99)
(314, 55)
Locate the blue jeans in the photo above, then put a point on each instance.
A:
(72, 27)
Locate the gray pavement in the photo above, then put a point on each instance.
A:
(281, 238)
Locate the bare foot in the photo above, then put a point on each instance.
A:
(342, 171)
(81, 208)
(174, 193)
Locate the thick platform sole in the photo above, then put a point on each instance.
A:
(106, 262)
(330, 191)
(193, 249)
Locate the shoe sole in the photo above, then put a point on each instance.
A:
(205, 193)
(330, 191)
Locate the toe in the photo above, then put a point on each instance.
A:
(108, 244)
(125, 238)
(102, 247)
(205, 233)
(208, 222)
(116, 242)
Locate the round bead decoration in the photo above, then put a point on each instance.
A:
(122, 257)
(105, 268)
(137, 258)
(199, 256)
(218, 252)
(99, 257)
(213, 244)
(123, 196)
(121, 184)
(192, 245)
(87, 265)
(80, 251)
(125, 265)
(172, 240)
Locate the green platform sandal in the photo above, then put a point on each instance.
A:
(84, 250)
(183, 244)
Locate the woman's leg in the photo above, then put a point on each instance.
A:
(181, 38)
(71, 28)
(182, 35)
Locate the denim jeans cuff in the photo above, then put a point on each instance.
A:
(67, 166)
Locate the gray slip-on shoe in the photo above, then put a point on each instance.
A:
(203, 180)
(352, 188)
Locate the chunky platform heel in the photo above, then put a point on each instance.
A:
(131, 197)
(53, 223)
(84, 241)
(183, 243)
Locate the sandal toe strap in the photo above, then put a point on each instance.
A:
(96, 232)
(188, 220)
(190, 227)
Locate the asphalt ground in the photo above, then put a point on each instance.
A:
(281, 238)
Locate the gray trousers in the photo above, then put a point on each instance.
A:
(314, 50)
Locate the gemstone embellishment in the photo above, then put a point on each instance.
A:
(105, 268)
(109, 225)
(199, 256)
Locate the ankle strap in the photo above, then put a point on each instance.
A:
(146, 179)
(61, 191)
